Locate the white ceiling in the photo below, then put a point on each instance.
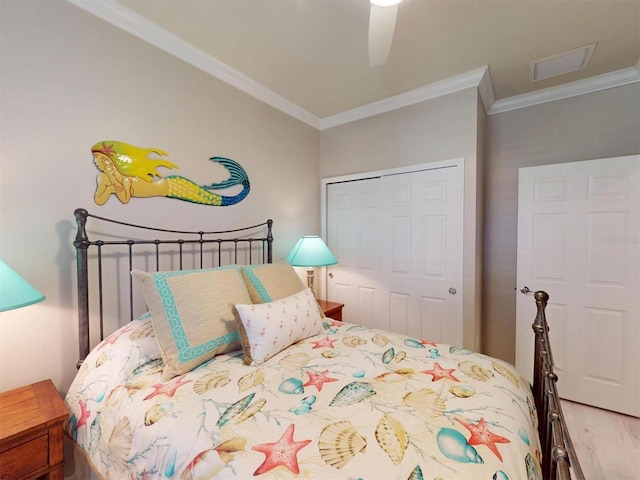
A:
(310, 57)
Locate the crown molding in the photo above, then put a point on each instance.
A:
(605, 81)
(135, 24)
(118, 15)
(410, 97)
(486, 90)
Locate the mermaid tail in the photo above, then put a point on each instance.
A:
(184, 189)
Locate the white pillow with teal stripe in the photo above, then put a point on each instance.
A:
(193, 314)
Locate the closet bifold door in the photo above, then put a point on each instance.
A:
(397, 238)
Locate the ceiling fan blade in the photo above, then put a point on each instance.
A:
(382, 24)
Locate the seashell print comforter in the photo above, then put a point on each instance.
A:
(351, 403)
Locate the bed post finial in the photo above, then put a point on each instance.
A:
(81, 220)
(542, 298)
(269, 241)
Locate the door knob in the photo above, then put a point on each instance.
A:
(330, 275)
(453, 291)
(525, 289)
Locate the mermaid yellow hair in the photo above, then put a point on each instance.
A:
(132, 161)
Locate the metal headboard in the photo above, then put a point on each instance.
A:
(212, 243)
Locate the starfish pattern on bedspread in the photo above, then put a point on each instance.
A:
(439, 373)
(168, 389)
(284, 453)
(325, 342)
(318, 379)
(84, 415)
(480, 435)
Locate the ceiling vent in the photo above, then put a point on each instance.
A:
(566, 62)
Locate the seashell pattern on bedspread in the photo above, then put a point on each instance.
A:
(349, 403)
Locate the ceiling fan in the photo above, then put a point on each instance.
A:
(382, 24)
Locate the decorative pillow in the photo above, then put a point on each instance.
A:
(268, 328)
(271, 281)
(193, 315)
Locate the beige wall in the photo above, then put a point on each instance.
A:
(444, 128)
(70, 80)
(440, 129)
(599, 125)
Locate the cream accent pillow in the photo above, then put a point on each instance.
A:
(271, 281)
(193, 315)
(268, 328)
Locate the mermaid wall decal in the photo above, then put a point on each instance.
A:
(126, 171)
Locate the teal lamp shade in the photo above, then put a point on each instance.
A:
(15, 291)
(310, 252)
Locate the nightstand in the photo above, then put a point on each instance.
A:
(331, 309)
(31, 421)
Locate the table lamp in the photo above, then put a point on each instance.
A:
(15, 291)
(310, 252)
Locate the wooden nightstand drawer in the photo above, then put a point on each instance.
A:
(31, 421)
(331, 309)
(25, 456)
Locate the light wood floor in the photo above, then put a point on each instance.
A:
(607, 443)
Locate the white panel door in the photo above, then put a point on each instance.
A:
(353, 237)
(579, 239)
(397, 240)
(419, 215)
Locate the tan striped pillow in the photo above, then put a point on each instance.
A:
(193, 314)
(271, 281)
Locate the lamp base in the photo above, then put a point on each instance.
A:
(310, 277)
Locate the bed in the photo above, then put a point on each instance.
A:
(225, 367)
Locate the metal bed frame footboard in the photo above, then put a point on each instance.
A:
(559, 459)
(209, 243)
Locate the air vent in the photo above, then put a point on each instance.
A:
(566, 62)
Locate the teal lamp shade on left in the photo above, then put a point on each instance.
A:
(15, 291)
